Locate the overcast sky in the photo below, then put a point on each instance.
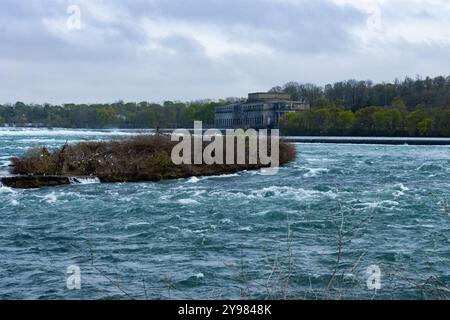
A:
(156, 50)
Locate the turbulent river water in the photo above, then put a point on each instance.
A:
(312, 231)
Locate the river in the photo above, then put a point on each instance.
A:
(312, 231)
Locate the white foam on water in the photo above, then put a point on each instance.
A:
(84, 180)
(400, 190)
(279, 192)
(260, 213)
(314, 172)
(62, 197)
(428, 166)
(125, 199)
(193, 180)
(30, 132)
(350, 276)
(253, 172)
(136, 224)
(50, 198)
(4, 189)
(390, 203)
(402, 187)
(223, 176)
(299, 194)
(187, 201)
(5, 163)
(200, 275)
(384, 204)
(412, 226)
(199, 193)
(40, 140)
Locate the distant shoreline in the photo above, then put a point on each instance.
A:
(425, 141)
(370, 140)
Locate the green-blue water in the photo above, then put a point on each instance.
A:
(227, 237)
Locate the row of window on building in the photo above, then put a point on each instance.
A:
(254, 121)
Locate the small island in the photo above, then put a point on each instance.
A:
(144, 158)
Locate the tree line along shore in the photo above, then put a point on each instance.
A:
(408, 108)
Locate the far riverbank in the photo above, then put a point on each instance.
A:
(372, 140)
(429, 141)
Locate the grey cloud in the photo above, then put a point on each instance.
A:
(116, 57)
(308, 26)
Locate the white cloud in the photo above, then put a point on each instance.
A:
(215, 41)
(414, 21)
